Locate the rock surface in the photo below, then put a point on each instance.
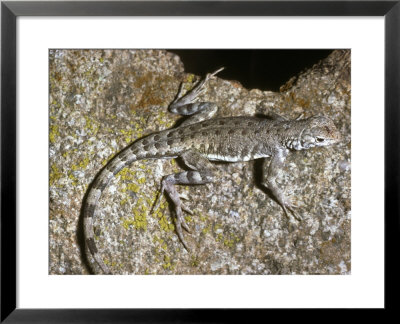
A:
(101, 100)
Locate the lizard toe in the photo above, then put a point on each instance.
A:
(295, 214)
(289, 208)
(291, 205)
(179, 231)
(187, 209)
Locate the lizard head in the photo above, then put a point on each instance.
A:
(319, 131)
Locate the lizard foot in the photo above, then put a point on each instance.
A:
(199, 89)
(156, 204)
(179, 206)
(289, 205)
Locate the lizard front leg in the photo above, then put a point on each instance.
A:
(185, 105)
(273, 172)
(202, 173)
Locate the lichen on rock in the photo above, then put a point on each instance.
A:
(101, 100)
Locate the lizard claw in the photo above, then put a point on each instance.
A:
(183, 196)
(186, 227)
(180, 219)
(186, 209)
(289, 205)
(210, 75)
(179, 223)
(158, 200)
(295, 214)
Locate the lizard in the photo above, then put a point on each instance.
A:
(201, 139)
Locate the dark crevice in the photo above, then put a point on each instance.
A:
(253, 68)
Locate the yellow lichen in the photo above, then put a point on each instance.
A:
(128, 135)
(138, 222)
(55, 174)
(92, 125)
(189, 82)
(206, 230)
(168, 265)
(73, 178)
(157, 239)
(228, 242)
(82, 165)
(132, 187)
(164, 223)
(194, 262)
(149, 201)
(126, 174)
(123, 201)
(54, 132)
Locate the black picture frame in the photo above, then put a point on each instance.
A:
(390, 10)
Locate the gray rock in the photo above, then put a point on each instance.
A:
(101, 100)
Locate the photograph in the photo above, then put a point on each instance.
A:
(199, 161)
(193, 161)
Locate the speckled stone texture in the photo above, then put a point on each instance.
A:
(101, 100)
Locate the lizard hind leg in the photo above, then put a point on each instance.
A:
(202, 173)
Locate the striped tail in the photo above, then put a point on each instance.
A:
(119, 162)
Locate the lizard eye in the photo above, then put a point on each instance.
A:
(320, 139)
